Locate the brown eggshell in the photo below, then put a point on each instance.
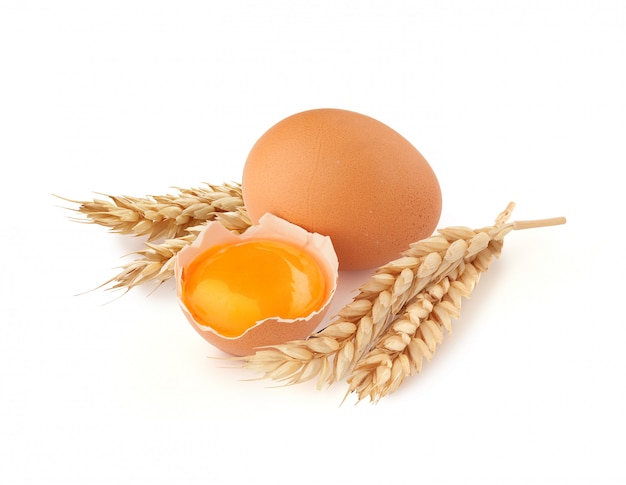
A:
(347, 176)
(271, 331)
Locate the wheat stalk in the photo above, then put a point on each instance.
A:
(175, 218)
(417, 332)
(155, 263)
(336, 350)
(165, 216)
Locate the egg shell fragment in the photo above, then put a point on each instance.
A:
(274, 330)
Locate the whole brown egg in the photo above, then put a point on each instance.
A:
(344, 175)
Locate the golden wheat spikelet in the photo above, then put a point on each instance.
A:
(164, 216)
(175, 218)
(155, 263)
(335, 351)
(416, 333)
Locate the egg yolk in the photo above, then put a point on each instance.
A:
(231, 287)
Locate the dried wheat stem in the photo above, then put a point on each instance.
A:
(554, 221)
(165, 216)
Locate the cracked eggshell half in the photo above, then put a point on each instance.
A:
(273, 330)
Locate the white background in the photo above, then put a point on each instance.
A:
(521, 101)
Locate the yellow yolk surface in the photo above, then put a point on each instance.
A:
(231, 287)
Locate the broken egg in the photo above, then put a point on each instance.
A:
(267, 286)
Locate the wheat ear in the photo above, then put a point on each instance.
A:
(332, 352)
(335, 351)
(164, 216)
(175, 218)
(417, 332)
(155, 263)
